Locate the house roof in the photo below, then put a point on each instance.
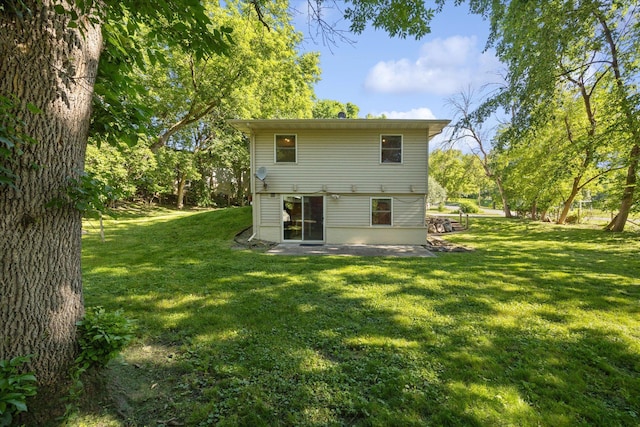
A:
(433, 127)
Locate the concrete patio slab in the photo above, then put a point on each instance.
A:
(351, 250)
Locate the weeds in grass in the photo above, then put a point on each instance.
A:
(539, 325)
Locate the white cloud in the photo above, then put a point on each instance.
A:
(444, 67)
(416, 113)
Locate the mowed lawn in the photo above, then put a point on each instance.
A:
(538, 326)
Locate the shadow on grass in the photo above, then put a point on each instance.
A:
(511, 334)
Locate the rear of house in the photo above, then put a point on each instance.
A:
(343, 181)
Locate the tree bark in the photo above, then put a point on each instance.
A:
(239, 187)
(633, 125)
(589, 151)
(503, 196)
(618, 223)
(45, 63)
(543, 216)
(566, 207)
(182, 182)
(534, 210)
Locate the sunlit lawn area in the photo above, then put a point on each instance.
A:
(540, 325)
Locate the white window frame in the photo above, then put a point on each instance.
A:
(401, 149)
(371, 199)
(275, 148)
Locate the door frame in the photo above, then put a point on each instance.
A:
(282, 221)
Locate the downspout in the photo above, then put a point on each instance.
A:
(254, 198)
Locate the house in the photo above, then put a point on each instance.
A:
(339, 181)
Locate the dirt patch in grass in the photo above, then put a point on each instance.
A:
(436, 244)
(241, 241)
(136, 391)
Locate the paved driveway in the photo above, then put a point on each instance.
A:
(351, 250)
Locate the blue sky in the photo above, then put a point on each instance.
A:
(405, 78)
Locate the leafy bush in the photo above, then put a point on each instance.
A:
(15, 387)
(86, 194)
(468, 207)
(101, 336)
(436, 192)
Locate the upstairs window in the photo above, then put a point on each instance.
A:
(286, 149)
(390, 148)
(381, 211)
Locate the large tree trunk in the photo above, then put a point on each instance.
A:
(566, 207)
(620, 220)
(182, 182)
(52, 66)
(633, 125)
(534, 210)
(503, 196)
(239, 187)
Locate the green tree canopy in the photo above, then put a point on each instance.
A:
(460, 174)
(329, 109)
(53, 70)
(593, 45)
(436, 193)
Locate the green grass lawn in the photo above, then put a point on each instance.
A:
(540, 325)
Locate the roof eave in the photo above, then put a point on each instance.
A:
(251, 126)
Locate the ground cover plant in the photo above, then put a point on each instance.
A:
(539, 325)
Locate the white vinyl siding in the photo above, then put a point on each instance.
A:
(348, 211)
(344, 161)
(270, 210)
(347, 219)
(355, 211)
(345, 166)
(409, 211)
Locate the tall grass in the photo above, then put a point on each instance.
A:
(540, 325)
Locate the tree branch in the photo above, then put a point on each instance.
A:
(260, 14)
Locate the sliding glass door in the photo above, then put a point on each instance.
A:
(303, 218)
